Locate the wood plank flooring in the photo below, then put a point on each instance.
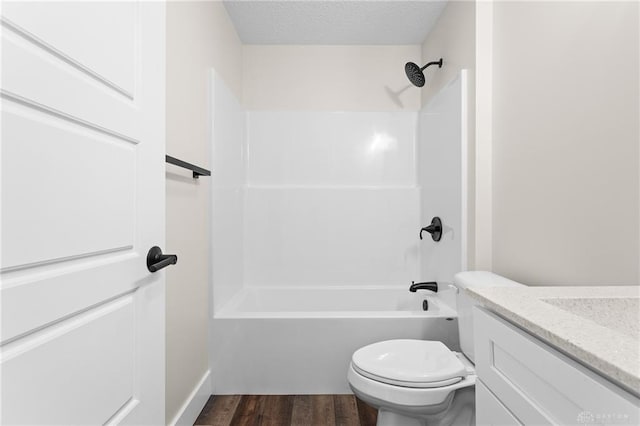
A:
(286, 410)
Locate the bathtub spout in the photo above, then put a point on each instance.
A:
(431, 285)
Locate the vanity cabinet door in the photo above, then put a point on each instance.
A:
(490, 411)
(540, 385)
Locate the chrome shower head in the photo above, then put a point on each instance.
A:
(415, 74)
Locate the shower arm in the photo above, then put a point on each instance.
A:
(438, 63)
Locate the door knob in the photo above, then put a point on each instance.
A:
(156, 260)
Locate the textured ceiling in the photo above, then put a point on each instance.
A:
(333, 21)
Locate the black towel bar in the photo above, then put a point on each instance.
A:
(197, 171)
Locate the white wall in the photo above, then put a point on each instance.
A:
(554, 138)
(566, 140)
(199, 37)
(333, 78)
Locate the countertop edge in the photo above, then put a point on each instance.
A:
(602, 365)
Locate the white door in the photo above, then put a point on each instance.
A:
(82, 201)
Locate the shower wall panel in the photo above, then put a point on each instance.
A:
(332, 148)
(228, 188)
(331, 198)
(442, 176)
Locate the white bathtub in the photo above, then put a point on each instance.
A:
(276, 340)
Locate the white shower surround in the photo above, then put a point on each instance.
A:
(312, 211)
(442, 156)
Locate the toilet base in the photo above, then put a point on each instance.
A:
(388, 418)
(458, 410)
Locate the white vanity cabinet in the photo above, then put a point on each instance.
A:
(523, 380)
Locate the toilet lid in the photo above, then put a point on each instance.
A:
(411, 363)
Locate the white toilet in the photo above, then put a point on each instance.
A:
(421, 382)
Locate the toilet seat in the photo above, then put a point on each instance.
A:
(389, 395)
(410, 363)
(388, 381)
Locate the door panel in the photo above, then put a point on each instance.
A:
(81, 203)
(37, 296)
(111, 59)
(44, 80)
(97, 346)
(89, 210)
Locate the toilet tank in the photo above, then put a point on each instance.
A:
(465, 304)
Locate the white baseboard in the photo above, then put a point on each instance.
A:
(192, 407)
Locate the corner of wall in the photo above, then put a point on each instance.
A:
(483, 174)
(200, 36)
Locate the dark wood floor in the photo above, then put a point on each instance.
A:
(286, 410)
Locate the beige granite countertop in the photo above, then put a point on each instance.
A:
(598, 326)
